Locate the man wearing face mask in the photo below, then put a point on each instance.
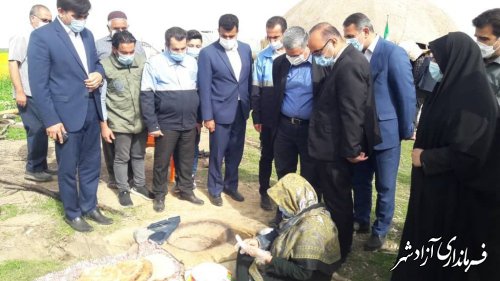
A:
(487, 33)
(343, 128)
(264, 100)
(225, 81)
(117, 21)
(293, 76)
(395, 101)
(65, 75)
(36, 165)
(169, 103)
(194, 42)
(124, 125)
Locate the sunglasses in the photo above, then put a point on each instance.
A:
(44, 20)
(318, 52)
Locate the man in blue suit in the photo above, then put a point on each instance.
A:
(65, 75)
(395, 100)
(224, 82)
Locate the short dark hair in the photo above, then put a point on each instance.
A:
(80, 7)
(121, 37)
(174, 32)
(277, 20)
(228, 22)
(489, 17)
(194, 34)
(327, 30)
(360, 20)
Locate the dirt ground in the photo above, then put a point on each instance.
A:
(206, 233)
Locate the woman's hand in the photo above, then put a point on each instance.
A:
(261, 256)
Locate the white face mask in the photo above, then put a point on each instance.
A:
(486, 51)
(41, 23)
(276, 45)
(193, 51)
(227, 44)
(296, 60)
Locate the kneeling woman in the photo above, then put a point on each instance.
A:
(305, 245)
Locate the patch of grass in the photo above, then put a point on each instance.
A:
(6, 100)
(16, 133)
(21, 270)
(55, 210)
(8, 211)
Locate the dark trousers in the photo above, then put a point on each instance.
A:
(384, 165)
(130, 148)
(108, 150)
(36, 137)
(266, 159)
(289, 145)
(195, 162)
(226, 144)
(335, 183)
(182, 144)
(80, 156)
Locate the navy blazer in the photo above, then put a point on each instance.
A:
(56, 76)
(219, 90)
(394, 92)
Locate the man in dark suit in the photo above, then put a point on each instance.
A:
(224, 82)
(343, 127)
(395, 101)
(65, 75)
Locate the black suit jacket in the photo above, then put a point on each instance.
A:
(281, 67)
(343, 122)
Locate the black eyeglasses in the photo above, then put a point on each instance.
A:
(318, 52)
(44, 20)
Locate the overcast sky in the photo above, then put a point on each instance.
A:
(149, 19)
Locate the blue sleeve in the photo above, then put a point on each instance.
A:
(205, 85)
(401, 83)
(104, 91)
(38, 72)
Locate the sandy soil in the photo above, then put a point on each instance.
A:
(206, 233)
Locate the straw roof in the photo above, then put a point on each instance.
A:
(414, 20)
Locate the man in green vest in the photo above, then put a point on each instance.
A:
(124, 125)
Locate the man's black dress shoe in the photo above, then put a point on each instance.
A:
(159, 205)
(191, 198)
(79, 224)
(235, 195)
(215, 200)
(99, 218)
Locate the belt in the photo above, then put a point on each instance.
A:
(295, 121)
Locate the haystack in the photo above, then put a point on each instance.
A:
(419, 21)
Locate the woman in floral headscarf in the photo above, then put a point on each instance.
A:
(305, 245)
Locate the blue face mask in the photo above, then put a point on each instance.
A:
(77, 25)
(435, 72)
(125, 59)
(355, 43)
(321, 60)
(177, 57)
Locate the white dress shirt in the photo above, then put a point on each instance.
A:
(369, 51)
(77, 41)
(235, 60)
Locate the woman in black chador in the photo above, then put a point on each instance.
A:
(452, 228)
